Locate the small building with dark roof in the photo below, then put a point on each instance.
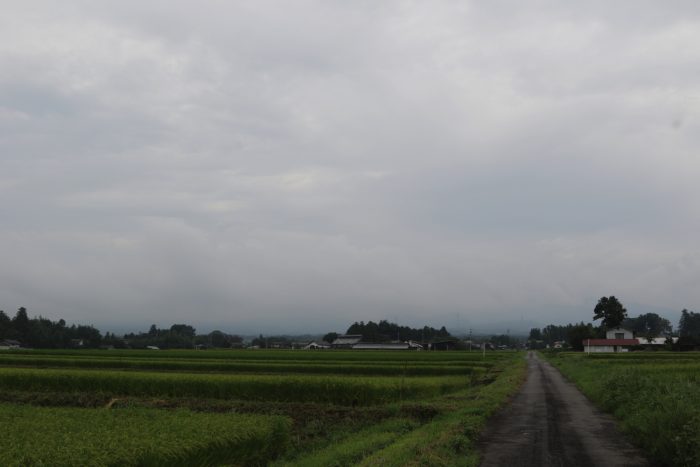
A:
(346, 341)
(6, 344)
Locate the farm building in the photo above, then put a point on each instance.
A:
(346, 341)
(316, 346)
(608, 345)
(6, 344)
(656, 341)
(410, 345)
(380, 346)
(354, 341)
(616, 340)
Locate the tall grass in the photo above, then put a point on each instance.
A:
(656, 398)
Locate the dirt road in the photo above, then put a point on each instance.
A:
(550, 423)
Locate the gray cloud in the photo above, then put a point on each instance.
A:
(255, 167)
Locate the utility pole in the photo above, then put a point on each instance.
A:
(470, 339)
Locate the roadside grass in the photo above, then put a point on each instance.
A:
(348, 450)
(449, 440)
(655, 397)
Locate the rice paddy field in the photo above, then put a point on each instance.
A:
(249, 407)
(654, 395)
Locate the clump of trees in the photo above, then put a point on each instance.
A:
(610, 311)
(689, 328)
(648, 326)
(330, 337)
(570, 334)
(44, 333)
(272, 342)
(504, 340)
(384, 331)
(180, 336)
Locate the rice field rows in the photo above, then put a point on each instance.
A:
(342, 390)
(247, 366)
(655, 395)
(248, 407)
(57, 436)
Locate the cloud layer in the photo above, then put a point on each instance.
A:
(257, 166)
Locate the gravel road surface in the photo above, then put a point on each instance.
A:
(551, 423)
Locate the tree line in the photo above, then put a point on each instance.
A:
(384, 331)
(44, 333)
(177, 336)
(40, 332)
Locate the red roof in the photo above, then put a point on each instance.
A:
(610, 342)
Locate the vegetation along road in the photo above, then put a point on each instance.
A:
(550, 423)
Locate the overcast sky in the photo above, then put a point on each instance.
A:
(296, 166)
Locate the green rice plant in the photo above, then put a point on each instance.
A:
(343, 390)
(238, 366)
(40, 436)
(279, 355)
(353, 448)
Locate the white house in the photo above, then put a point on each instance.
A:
(616, 340)
(619, 333)
(7, 344)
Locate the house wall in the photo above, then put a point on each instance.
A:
(611, 334)
(599, 348)
(605, 348)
